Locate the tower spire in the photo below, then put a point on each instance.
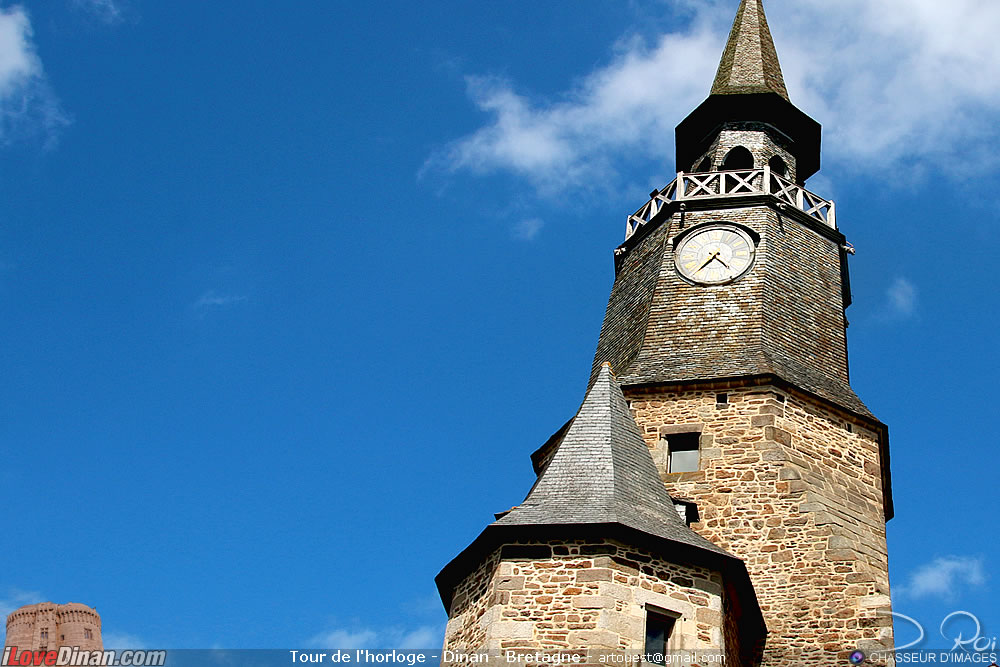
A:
(750, 62)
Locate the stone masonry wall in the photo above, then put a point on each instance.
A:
(583, 594)
(760, 139)
(794, 488)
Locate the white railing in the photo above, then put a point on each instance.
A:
(739, 183)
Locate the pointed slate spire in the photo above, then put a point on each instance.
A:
(602, 473)
(750, 62)
(749, 88)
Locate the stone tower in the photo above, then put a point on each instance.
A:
(726, 331)
(48, 626)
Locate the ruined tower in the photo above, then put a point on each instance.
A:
(726, 332)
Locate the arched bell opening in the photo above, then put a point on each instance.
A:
(778, 166)
(738, 158)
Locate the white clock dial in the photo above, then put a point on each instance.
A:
(714, 255)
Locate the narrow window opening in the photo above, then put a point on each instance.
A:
(682, 452)
(87, 634)
(658, 629)
(44, 634)
(850, 427)
(738, 158)
(722, 399)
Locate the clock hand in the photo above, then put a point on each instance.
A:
(708, 261)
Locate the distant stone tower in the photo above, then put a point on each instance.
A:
(48, 626)
(726, 329)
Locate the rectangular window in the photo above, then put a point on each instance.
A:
(44, 634)
(87, 635)
(683, 452)
(658, 629)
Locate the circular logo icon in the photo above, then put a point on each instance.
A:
(857, 658)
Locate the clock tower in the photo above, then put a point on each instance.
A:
(726, 334)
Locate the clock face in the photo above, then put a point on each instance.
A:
(714, 255)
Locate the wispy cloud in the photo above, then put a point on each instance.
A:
(213, 299)
(109, 11)
(121, 640)
(894, 82)
(425, 636)
(18, 598)
(902, 296)
(944, 578)
(527, 229)
(28, 106)
(578, 138)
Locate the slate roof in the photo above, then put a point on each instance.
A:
(750, 62)
(602, 473)
(636, 336)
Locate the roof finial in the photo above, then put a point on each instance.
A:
(750, 62)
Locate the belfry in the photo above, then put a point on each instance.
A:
(721, 488)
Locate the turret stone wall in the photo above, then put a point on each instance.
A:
(592, 594)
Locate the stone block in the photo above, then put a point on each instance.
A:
(593, 574)
(512, 630)
(593, 602)
(875, 601)
(593, 638)
(510, 583)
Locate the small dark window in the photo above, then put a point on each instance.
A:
(87, 634)
(658, 629)
(722, 399)
(738, 158)
(683, 452)
(778, 166)
(44, 634)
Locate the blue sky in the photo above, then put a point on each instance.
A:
(290, 291)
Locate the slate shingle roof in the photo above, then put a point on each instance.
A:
(750, 62)
(602, 472)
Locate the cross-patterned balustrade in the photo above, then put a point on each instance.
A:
(742, 182)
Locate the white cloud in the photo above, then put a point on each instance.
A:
(902, 297)
(17, 598)
(121, 640)
(528, 229)
(28, 107)
(344, 639)
(426, 636)
(896, 83)
(573, 140)
(108, 11)
(213, 299)
(944, 578)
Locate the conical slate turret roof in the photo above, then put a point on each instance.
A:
(750, 62)
(601, 483)
(602, 473)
